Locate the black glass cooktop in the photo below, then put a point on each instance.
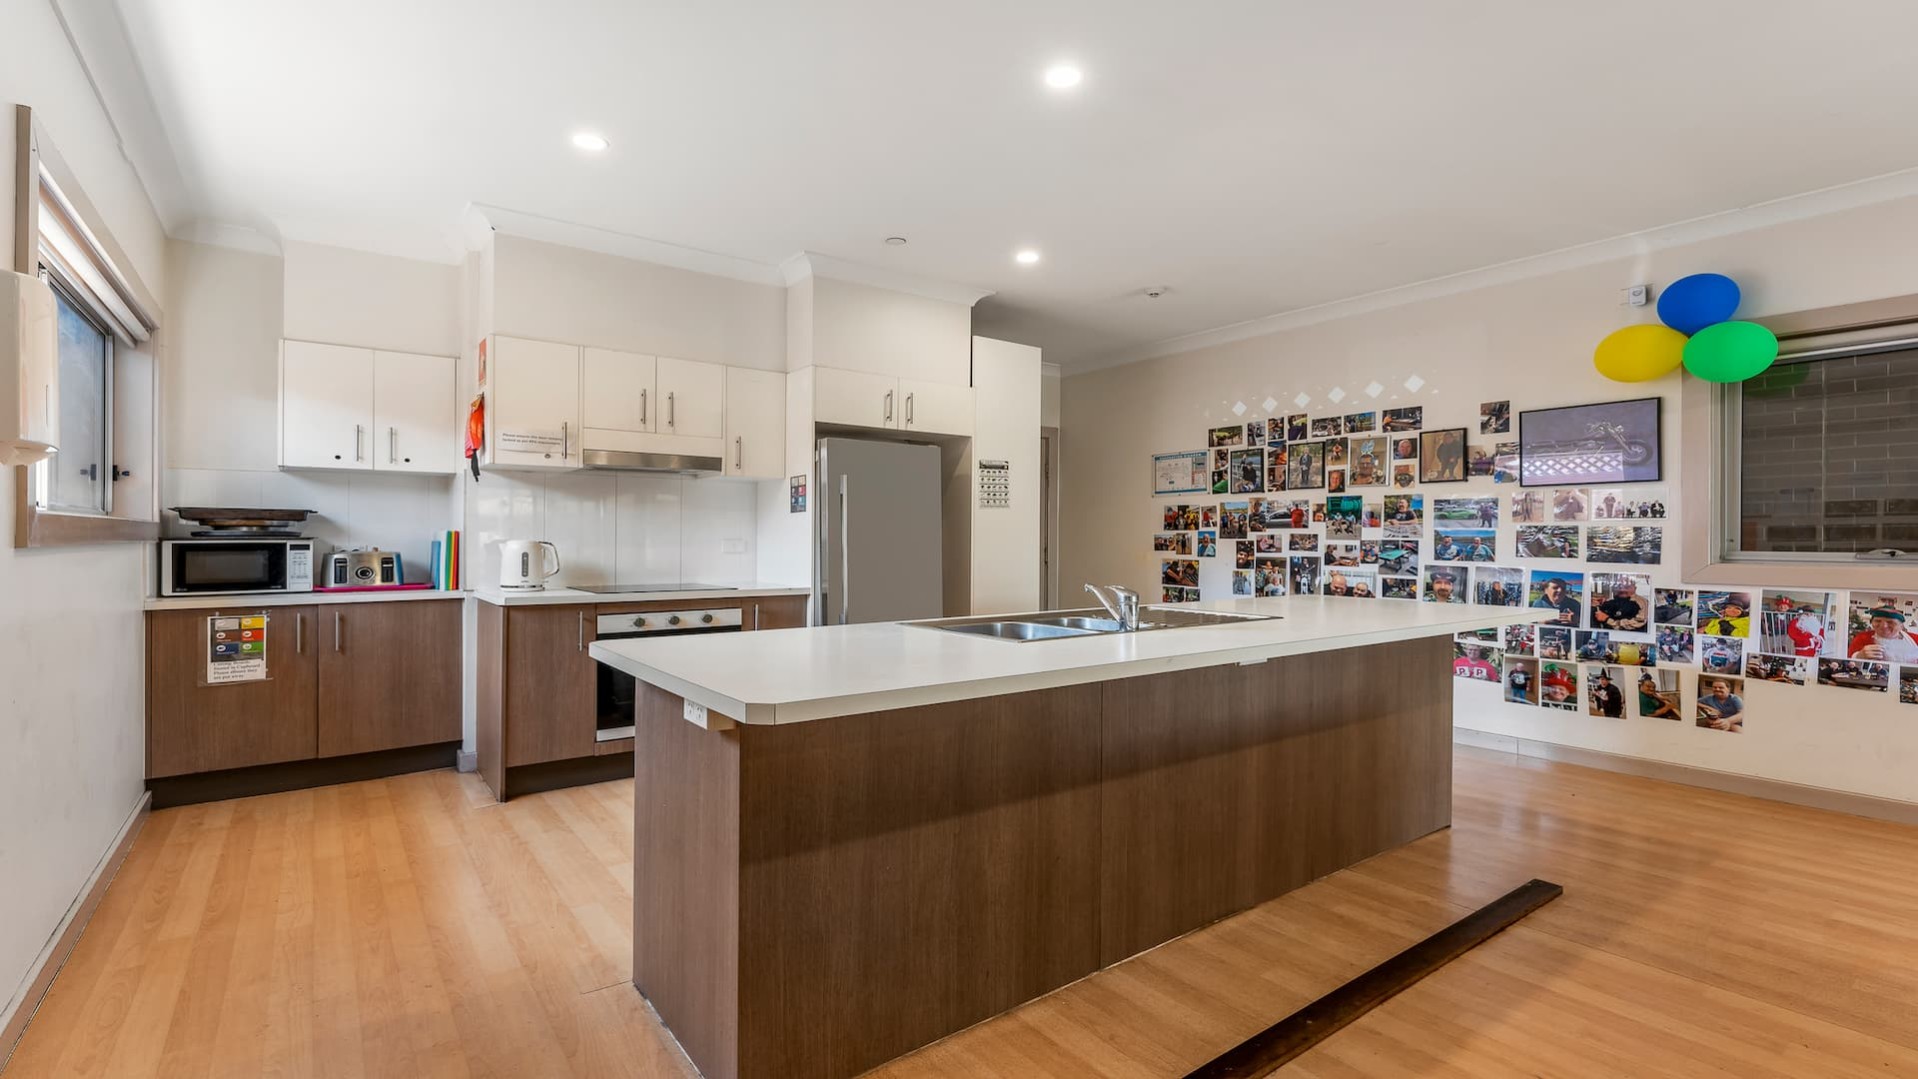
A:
(670, 586)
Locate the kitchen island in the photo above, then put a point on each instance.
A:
(850, 841)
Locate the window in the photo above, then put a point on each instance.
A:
(1822, 454)
(78, 479)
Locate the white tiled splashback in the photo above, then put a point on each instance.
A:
(609, 527)
(615, 527)
(395, 512)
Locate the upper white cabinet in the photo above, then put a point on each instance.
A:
(935, 407)
(619, 390)
(415, 414)
(855, 398)
(533, 415)
(358, 409)
(692, 398)
(862, 399)
(755, 423)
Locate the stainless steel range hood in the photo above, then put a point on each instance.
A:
(633, 461)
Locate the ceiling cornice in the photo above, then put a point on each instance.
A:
(811, 264)
(1830, 200)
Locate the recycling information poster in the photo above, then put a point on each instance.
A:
(235, 649)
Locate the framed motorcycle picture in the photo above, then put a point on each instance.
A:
(1612, 442)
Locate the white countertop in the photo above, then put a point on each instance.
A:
(573, 595)
(795, 675)
(257, 600)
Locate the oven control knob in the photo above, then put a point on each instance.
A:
(707, 618)
(672, 620)
(639, 623)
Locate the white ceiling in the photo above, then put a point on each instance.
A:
(1258, 156)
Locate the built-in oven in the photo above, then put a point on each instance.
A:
(617, 690)
(214, 567)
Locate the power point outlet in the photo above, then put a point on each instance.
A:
(1636, 296)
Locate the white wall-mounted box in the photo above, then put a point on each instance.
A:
(29, 386)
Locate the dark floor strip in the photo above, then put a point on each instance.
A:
(1269, 1049)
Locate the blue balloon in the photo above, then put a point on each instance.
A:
(1692, 303)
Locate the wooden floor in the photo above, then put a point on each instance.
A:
(410, 927)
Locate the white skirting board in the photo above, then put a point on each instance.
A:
(18, 1012)
(1860, 805)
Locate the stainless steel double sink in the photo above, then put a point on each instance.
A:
(1085, 622)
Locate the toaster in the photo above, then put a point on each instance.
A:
(372, 568)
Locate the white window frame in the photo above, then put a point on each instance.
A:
(66, 292)
(1709, 436)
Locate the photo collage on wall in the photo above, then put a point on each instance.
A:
(1337, 505)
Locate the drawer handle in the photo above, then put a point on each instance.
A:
(339, 628)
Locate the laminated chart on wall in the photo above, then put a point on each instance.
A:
(995, 484)
(235, 648)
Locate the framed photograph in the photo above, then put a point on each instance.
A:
(1611, 442)
(1335, 480)
(1329, 427)
(1248, 472)
(1275, 469)
(1297, 427)
(1358, 423)
(1180, 473)
(1304, 466)
(1442, 456)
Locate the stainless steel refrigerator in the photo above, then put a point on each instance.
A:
(879, 507)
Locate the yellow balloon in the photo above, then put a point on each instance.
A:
(1640, 353)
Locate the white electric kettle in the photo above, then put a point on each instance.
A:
(522, 565)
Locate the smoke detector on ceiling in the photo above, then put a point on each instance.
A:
(1153, 292)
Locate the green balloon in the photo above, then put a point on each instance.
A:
(1730, 351)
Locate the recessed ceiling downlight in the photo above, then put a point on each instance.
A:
(1026, 256)
(589, 141)
(1063, 76)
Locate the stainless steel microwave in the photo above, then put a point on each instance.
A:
(218, 567)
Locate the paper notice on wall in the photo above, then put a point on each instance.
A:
(995, 484)
(235, 649)
(1180, 473)
(530, 441)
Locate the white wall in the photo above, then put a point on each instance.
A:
(1005, 541)
(553, 293)
(72, 742)
(345, 297)
(1529, 342)
(221, 409)
(866, 328)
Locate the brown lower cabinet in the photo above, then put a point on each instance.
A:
(342, 679)
(537, 700)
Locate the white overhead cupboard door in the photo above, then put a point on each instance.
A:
(619, 391)
(936, 408)
(326, 406)
(755, 423)
(692, 398)
(533, 404)
(415, 415)
(855, 398)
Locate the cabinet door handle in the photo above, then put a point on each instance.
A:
(909, 410)
(755, 616)
(739, 451)
(565, 441)
(582, 631)
(299, 634)
(339, 628)
(393, 442)
(845, 555)
(672, 410)
(359, 435)
(642, 407)
(888, 406)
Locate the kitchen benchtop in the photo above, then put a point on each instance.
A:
(574, 595)
(796, 675)
(291, 599)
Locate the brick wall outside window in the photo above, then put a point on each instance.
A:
(1830, 455)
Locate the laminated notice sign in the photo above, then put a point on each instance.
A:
(235, 649)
